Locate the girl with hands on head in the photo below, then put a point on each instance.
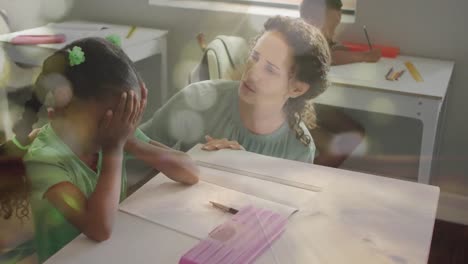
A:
(76, 163)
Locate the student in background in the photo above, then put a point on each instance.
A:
(268, 112)
(337, 134)
(76, 164)
(326, 15)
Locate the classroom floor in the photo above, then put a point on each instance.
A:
(449, 244)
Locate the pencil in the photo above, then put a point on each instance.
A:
(394, 76)
(400, 74)
(387, 76)
(224, 208)
(367, 37)
(131, 31)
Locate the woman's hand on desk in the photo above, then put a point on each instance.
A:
(217, 144)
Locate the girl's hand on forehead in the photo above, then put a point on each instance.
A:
(120, 122)
(143, 100)
(141, 109)
(217, 144)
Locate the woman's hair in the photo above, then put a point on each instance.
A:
(311, 63)
(105, 71)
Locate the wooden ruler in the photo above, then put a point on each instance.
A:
(259, 176)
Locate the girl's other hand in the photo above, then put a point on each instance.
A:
(141, 108)
(143, 100)
(119, 123)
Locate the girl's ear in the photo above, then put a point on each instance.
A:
(297, 88)
(57, 99)
(56, 90)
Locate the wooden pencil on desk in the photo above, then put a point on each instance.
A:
(224, 208)
(131, 31)
(400, 73)
(387, 76)
(394, 76)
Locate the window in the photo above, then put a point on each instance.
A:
(261, 7)
(349, 6)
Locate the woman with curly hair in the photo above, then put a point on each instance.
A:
(269, 111)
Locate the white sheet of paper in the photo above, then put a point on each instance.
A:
(187, 209)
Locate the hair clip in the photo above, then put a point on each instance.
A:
(114, 39)
(76, 56)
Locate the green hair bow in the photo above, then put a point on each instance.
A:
(114, 39)
(76, 56)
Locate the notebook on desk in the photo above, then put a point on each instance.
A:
(187, 209)
(161, 200)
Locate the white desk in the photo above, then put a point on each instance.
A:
(144, 43)
(363, 86)
(357, 218)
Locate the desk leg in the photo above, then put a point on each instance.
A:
(164, 86)
(426, 110)
(429, 117)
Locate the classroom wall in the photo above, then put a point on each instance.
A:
(428, 28)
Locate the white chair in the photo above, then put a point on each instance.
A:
(12, 78)
(221, 58)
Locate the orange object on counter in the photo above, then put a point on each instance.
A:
(387, 51)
